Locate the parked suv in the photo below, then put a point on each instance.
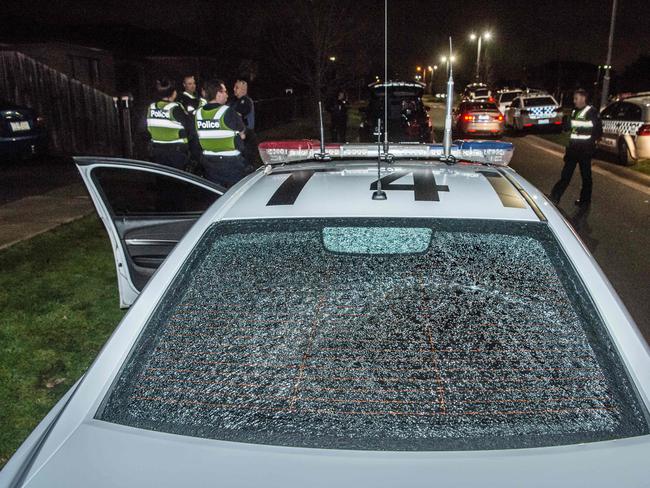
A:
(408, 118)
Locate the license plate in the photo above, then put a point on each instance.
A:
(543, 121)
(18, 126)
(484, 118)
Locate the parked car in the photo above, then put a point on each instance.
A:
(473, 118)
(505, 97)
(22, 131)
(626, 128)
(476, 90)
(408, 117)
(299, 332)
(534, 111)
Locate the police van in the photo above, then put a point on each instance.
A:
(349, 315)
(626, 128)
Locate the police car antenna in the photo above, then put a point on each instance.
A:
(322, 155)
(446, 141)
(385, 77)
(379, 194)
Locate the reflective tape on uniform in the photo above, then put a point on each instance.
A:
(234, 152)
(582, 123)
(167, 123)
(174, 141)
(216, 133)
(580, 136)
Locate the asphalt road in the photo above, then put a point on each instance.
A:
(616, 228)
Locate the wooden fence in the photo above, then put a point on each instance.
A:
(80, 119)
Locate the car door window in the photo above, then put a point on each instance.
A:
(146, 209)
(610, 112)
(135, 192)
(632, 112)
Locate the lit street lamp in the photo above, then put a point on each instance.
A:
(487, 36)
(445, 59)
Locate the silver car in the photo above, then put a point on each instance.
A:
(302, 333)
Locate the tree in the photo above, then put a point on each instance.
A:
(317, 42)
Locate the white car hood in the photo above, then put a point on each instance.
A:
(101, 455)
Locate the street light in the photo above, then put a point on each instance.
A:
(445, 59)
(332, 58)
(485, 36)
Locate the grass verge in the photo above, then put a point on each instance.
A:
(58, 305)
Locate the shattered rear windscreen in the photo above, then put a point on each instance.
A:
(377, 334)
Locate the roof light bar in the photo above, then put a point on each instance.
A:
(484, 152)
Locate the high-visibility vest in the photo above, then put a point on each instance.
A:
(215, 137)
(581, 127)
(162, 125)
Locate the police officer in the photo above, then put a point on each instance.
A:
(339, 117)
(169, 128)
(586, 129)
(221, 133)
(189, 99)
(245, 107)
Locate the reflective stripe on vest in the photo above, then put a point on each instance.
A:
(215, 137)
(581, 128)
(162, 126)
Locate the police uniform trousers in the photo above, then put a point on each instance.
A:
(224, 170)
(173, 155)
(575, 156)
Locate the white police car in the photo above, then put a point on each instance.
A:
(302, 333)
(534, 110)
(626, 128)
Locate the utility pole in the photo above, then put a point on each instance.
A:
(608, 64)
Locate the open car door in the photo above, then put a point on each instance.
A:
(146, 209)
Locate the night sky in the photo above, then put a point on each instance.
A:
(525, 32)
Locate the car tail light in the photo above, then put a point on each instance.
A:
(528, 125)
(499, 117)
(558, 122)
(468, 118)
(644, 130)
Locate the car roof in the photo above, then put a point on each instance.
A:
(317, 189)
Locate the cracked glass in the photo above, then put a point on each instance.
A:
(410, 334)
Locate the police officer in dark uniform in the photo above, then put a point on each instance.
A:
(221, 134)
(245, 107)
(586, 128)
(338, 110)
(189, 99)
(170, 128)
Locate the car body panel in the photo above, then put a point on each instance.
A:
(125, 456)
(154, 459)
(348, 189)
